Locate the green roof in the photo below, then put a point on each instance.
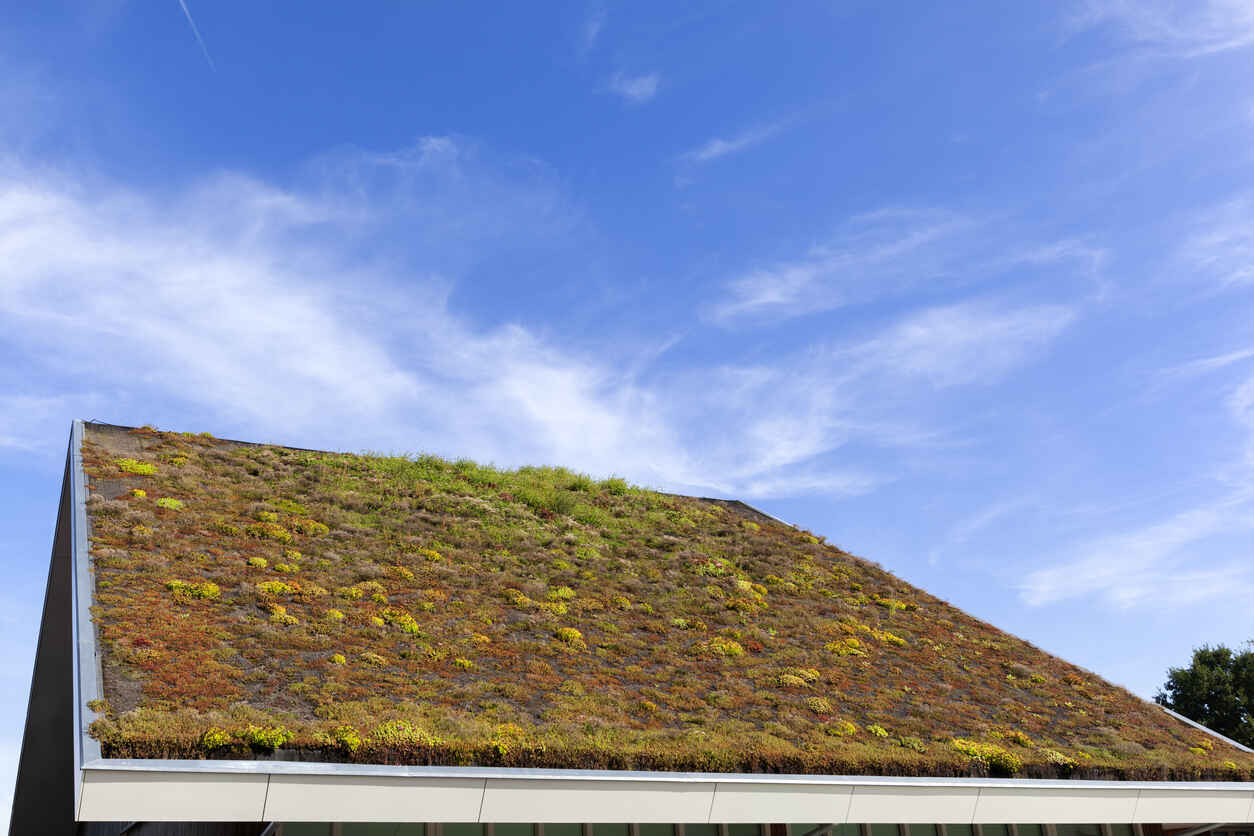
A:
(412, 610)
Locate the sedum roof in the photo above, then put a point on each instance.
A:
(256, 601)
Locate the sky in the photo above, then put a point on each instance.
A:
(968, 289)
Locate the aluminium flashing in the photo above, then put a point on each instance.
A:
(1209, 731)
(86, 661)
(276, 767)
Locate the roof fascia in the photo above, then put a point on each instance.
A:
(184, 790)
(87, 678)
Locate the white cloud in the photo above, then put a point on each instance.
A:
(591, 30)
(1204, 365)
(313, 315)
(1154, 564)
(1220, 243)
(840, 484)
(966, 528)
(718, 147)
(972, 342)
(889, 247)
(1241, 407)
(862, 393)
(224, 301)
(1151, 565)
(289, 314)
(636, 89)
(1180, 28)
(887, 252)
(196, 31)
(25, 419)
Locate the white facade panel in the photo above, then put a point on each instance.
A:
(373, 798)
(1060, 805)
(906, 804)
(522, 800)
(736, 803)
(172, 796)
(1187, 805)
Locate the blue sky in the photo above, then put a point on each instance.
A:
(968, 289)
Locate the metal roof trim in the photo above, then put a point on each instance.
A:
(356, 770)
(1209, 731)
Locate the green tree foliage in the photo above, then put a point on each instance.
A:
(1216, 690)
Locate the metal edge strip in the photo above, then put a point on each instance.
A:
(1209, 731)
(86, 660)
(356, 770)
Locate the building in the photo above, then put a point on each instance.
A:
(265, 639)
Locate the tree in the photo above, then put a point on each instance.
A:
(1216, 690)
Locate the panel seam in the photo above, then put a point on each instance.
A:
(265, 801)
(848, 806)
(482, 796)
(709, 815)
(82, 790)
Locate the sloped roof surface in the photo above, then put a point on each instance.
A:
(253, 598)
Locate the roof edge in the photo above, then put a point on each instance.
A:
(86, 661)
(347, 770)
(1209, 731)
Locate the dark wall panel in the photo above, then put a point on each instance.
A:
(43, 800)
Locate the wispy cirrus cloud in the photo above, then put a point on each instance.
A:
(635, 89)
(857, 394)
(1174, 28)
(1241, 406)
(590, 30)
(967, 343)
(1152, 564)
(1220, 243)
(293, 314)
(196, 31)
(883, 253)
(24, 420)
(1203, 365)
(718, 147)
